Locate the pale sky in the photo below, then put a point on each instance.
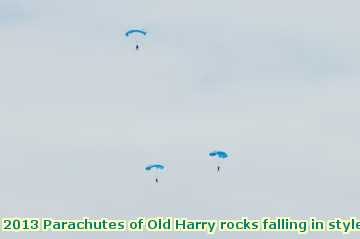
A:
(273, 83)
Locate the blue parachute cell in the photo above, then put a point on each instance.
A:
(219, 154)
(131, 31)
(154, 166)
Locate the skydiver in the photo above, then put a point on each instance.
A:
(137, 47)
(218, 169)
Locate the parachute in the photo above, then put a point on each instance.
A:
(136, 35)
(219, 154)
(132, 31)
(154, 166)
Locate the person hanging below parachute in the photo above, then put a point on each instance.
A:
(136, 35)
(156, 168)
(220, 156)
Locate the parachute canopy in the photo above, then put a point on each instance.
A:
(219, 154)
(132, 31)
(155, 166)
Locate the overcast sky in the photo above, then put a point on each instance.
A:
(273, 83)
